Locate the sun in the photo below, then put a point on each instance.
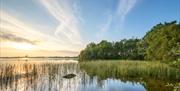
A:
(23, 46)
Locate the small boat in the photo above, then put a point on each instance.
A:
(68, 76)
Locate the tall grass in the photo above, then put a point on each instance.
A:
(12, 74)
(131, 69)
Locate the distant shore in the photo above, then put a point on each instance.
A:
(41, 57)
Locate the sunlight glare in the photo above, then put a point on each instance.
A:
(23, 46)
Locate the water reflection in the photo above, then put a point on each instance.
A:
(110, 85)
(38, 75)
(47, 75)
(163, 79)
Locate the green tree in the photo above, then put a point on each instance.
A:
(124, 49)
(162, 41)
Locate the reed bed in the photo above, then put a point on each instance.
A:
(31, 72)
(130, 69)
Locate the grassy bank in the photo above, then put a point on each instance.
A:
(131, 69)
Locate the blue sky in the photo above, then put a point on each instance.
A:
(68, 25)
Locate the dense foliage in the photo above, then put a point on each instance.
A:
(162, 42)
(124, 49)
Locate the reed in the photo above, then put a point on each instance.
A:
(130, 69)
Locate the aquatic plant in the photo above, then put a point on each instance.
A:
(131, 69)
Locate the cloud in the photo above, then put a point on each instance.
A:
(11, 37)
(66, 13)
(117, 18)
(17, 31)
(124, 7)
(104, 27)
(17, 27)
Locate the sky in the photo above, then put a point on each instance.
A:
(65, 27)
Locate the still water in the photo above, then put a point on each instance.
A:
(47, 74)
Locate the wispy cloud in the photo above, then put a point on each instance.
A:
(104, 27)
(13, 25)
(66, 13)
(124, 7)
(4, 36)
(17, 31)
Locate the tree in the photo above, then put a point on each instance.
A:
(162, 41)
(124, 49)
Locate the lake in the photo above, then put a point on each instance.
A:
(48, 74)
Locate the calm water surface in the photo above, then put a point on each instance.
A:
(46, 74)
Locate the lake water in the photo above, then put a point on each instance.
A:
(46, 74)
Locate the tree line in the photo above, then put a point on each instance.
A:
(162, 42)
